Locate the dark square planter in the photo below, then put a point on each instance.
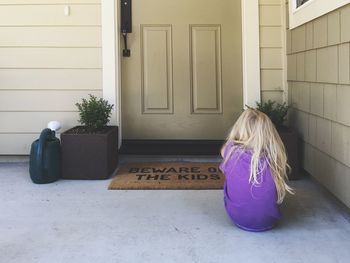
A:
(89, 156)
(290, 140)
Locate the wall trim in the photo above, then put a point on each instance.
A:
(311, 10)
(111, 57)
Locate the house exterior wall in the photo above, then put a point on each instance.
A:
(48, 62)
(272, 50)
(319, 92)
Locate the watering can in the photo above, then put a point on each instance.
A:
(45, 156)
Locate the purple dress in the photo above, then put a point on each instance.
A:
(251, 207)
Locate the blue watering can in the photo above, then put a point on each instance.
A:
(45, 156)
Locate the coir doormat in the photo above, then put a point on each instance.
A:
(168, 176)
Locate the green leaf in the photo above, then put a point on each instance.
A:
(94, 113)
(275, 111)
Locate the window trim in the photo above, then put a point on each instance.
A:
(311, 10)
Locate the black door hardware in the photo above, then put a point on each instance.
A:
(125, 24)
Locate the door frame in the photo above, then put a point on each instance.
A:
(111, 56)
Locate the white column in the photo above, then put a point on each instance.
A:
(111, 59)
(250, 52)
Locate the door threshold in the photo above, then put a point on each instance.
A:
(171, 147)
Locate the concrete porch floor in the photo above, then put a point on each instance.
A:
(81, 221)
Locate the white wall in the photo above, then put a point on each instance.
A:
(49, 61)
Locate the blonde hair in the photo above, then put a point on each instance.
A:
(254, 132)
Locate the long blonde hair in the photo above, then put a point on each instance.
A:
(254, 132)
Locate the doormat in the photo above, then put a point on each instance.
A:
(168, 176)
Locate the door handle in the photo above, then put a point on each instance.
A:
(125, 24)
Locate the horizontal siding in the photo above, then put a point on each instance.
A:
(269, 2)
(48, 2)
(271, 58)
(41, 100)
(51, 79)
(271, 36)
(272, 95)
(48, 62)
(272, 44)
(49, 15)
(50, 36)
(34, 122)
(16, 144)
(271, 79)
(270, 15)
(51, 58)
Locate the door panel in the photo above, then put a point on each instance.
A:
(206, 89)
(184, 77)
(156, 67)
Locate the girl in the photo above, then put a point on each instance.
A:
(255, 168)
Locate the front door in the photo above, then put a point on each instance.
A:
(183, 79)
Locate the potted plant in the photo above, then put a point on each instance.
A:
(90, 151)
(278, 113)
